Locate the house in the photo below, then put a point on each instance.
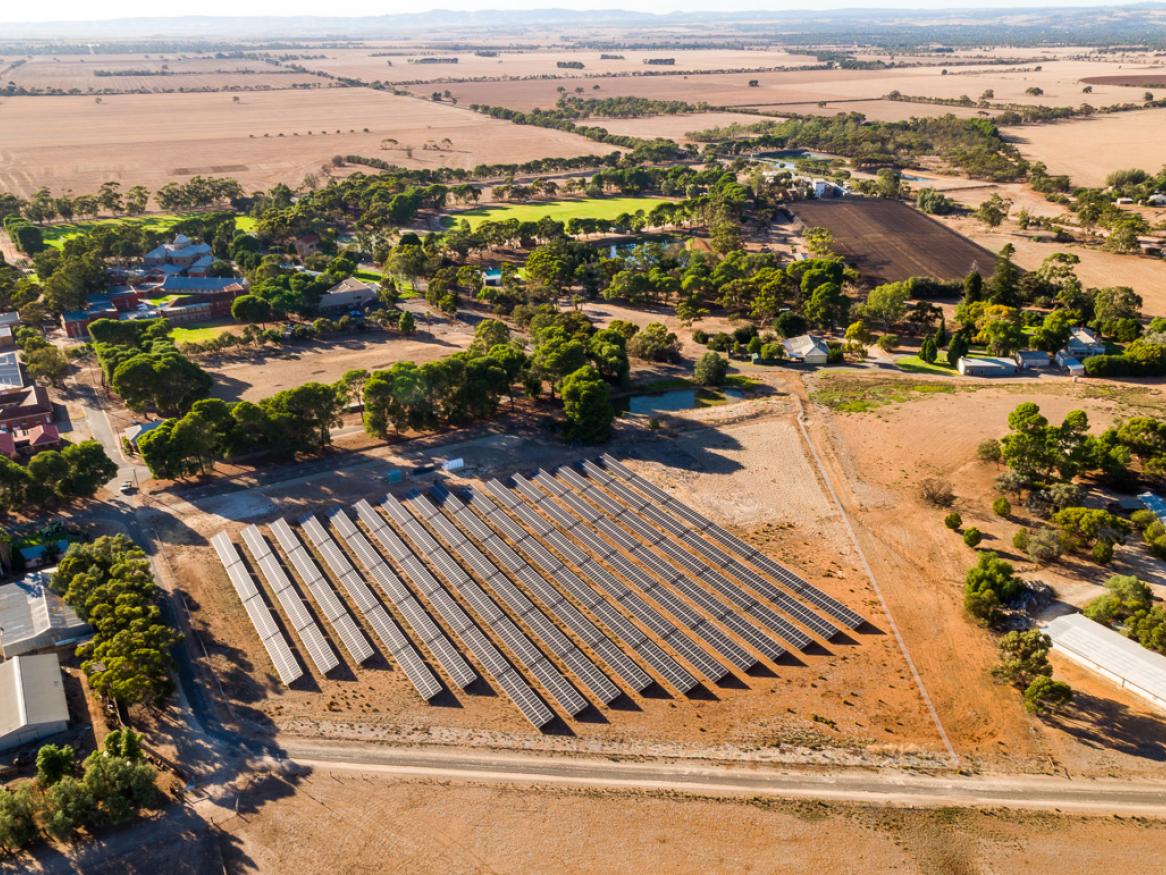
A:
(134, 433)
(1083, 343)
(7, 445)
(8, 323)
(11, 374)
(32, 700)
(1111, 655)
(24, 408)
(1070, 364)
(41, 437)
(348, 294)
(807, 348)
(1032, 358)
(306, 244)
(34, 618)
(826, 190)
(1156, 200)
(181, 253)
(985, 367)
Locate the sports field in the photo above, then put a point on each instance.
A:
(584, 208)
(56, 235)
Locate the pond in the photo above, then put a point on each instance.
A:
(672, 400)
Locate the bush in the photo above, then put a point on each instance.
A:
(1102, 552)
(973, 537)
(1043, 546)
(711, 370)
(772, 352)
(989, 450)
(953, 521)
(700, 336)
(1020, 540)
(938, 492)
(990, 583)
(1045, 696)
(1001, 506)
(721, 342)
(888, 342)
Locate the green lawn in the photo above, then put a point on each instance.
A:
(915, 365)
(56, 235)
(197, 335)
(561, 211)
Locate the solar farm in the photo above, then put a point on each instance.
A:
(565, 591)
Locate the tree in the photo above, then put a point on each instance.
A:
(973, 537)
(958, 347)
(587, 406)
(827, 306)
(1082, 527)
(1001, 506)
(46, 363)
(406, 324)
(927, 351)
(953, 521)
(558, 354)
(489, 333)
(89, 468)
(17, 818)
(887, 303)
(1046, 696)
(252, 309)
(305, 415)
(68, 807)
(1024, 656)
(1126, 597)
(711, 369)
(993, 211)
(120, 787)
(53, 762)
(654, 343)
(607, 351)
(988, 584)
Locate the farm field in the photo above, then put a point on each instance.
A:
(362, 64)
(1059, 81)
(67, 73)
(561, 210)
(151, 139)
(1088, 150)
(889, 241)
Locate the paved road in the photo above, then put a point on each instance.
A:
(1036, 792)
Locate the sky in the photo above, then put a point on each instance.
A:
(87, 10)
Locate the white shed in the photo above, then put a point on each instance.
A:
(32, 700)
(33, 617)
(1111, 655)
(983, 366)
(807, 348)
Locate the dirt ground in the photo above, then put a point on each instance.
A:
(151, 139)
(1088, 150)
(72, 72)
(344, 822)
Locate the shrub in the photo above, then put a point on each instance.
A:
(772, 352)
(989, 450)
(1045, 696)
(1001, 506)
(888, 342)
(973, 537)
(938, 492)
(711, 370)
(1102, 552)
(721, 342)
(1043, 546)
(700, 336)
(953, 521)
(988, 584)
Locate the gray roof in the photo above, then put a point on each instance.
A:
(10, 372)
(805, 344)
(1096, 646)
(33, 617)
(32, 694)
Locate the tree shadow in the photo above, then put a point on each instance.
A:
(1109, 725)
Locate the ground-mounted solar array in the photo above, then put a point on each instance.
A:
(565, 591)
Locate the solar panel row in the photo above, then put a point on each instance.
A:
(599, 578)
(803, 588)
(526, 611)
(458, 621)
(663, 597)
(427, 631)
(515, 640)
(274, 643)
(633, 518)
(397, 645)
(306, 627)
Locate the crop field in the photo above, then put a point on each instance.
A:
(1090, 149)
(1059, 81)
(402, 67)
(889, 241)
(98, 73)
(561, 211)
(266, 137)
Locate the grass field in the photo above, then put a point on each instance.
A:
(197, 335)
(561, 211)
(56, 235)
(915, 365)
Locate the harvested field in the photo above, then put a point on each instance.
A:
(361, 64)
(151, 139)
(1088, 150)
(674, 127)
(1132, 80)
(444, 827)
(889, 241)
(103, 73)
(875, 110)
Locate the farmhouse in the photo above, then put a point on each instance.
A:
(33, 617)
(985, 367)
(1127, 663)
(32, 700)
(1083, 343)
(348, 294)
(807, 348)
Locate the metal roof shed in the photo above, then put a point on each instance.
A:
(1127, 663)
(32, 700)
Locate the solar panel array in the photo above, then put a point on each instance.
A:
(274, 643)
(463, 628)
(705, 526)
(513, 638)
(545, 592)
(305, 625)
(540, 625)
(330, 604)
(386, 629)
(398, 594)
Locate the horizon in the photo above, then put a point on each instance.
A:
(74, 12)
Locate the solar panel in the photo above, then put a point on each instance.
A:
(378, 619)
(257, 610)
(428, 632)
(333, 609)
